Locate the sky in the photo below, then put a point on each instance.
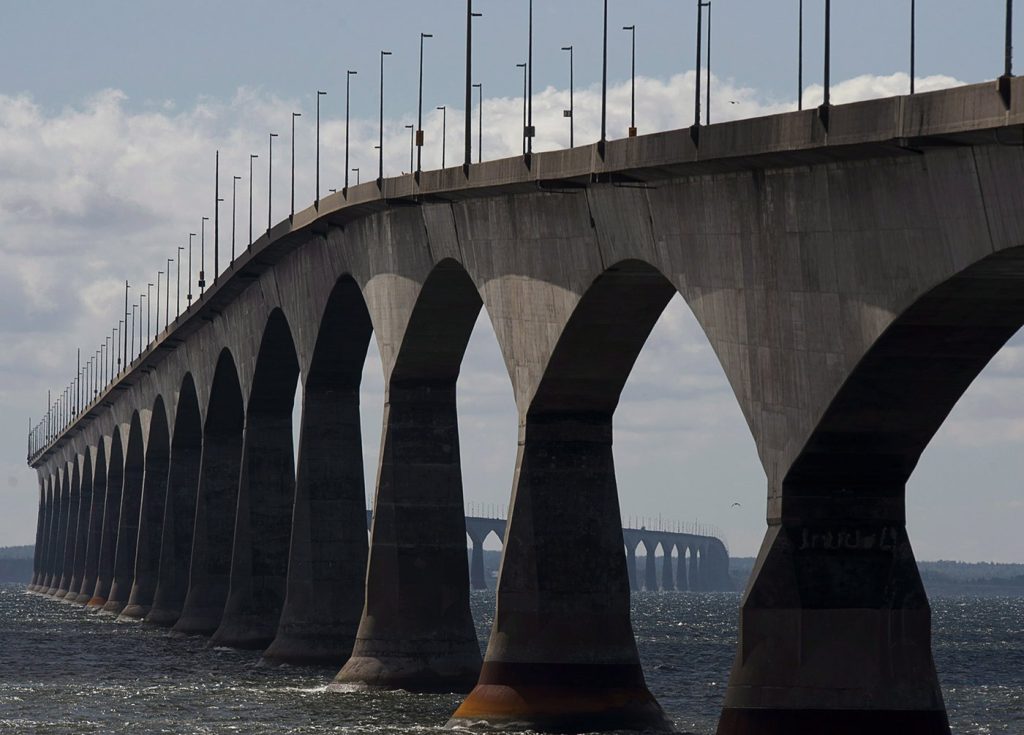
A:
(110, 113)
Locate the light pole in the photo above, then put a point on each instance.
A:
(828, 62)
(158, 275)
(202, 255)
(419, 118)
(216, 224)
(177, 310)
(800, 59)
(913, 24)
(412, 145)
(707, 90)
(480, 124)
(604, 82)
(356, 169)
(291, 215)
(316, 201)
(132, 329)
(189, 295)
(252, 157)
(348, 81)
(571, 112)
(234, 219)
(141, 344)
(149, 312)
(529, 70)
(1008, 71)
(167, 298)
(444, 128)
(469, 79)
(126, 321)
(270, 179)
(696, 105)
(523, 67)
(380, 147)
(632, 82)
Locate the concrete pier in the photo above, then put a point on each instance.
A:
(266, 491)
(216, 504)
(81, 533)
(128, 521)
(108, 533)
(151, 516)
(179, 510)
(328, 553)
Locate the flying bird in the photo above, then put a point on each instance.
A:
(736, 505)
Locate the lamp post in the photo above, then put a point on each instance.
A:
(523, 67)
(412, 145)
(571, 112)
(1008, 71)
(167, 298)
(356, 169)
(216, 224)
(828, 62)
(177, 310)
(707, 89)
(380, 147)
(348, 80)
(529, 71)
(202, 255)
(158, 275)
(604, 81)
(270, 179)
(117, 331)
(149, 312)
(142, 347)
(252, 157)
(234, 219)
(913, 24)
(480, 124)
(291, 214)
(632, 82)
(132, 328)
(800, 59)
(469, 79)
(189, 295)
(696, 104)
(419, 119)
(316, 201)
(126, 320)
(444, 129)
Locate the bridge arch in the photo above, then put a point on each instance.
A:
(151, 512)
(82, 528)
(417, 629)
(216, 502)
(128, 519)
(328, 553)
(266, 492)
(566, 450)
(69, 522)
(186, 444)
(96, 515)
(111, 519)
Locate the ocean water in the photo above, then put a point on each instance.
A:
(64, 670)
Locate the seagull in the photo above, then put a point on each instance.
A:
(736, 505)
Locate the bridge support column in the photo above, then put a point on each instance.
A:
(650, 570)
(94, 536)
(66, 544)
(476, 566)
(53, 543)
(108, 532)
(151, 521)
(128, 524)
(562, 655)
(178, 523)
(631, 568)
(81, 538)
(682, 583)
(37, 556)
(327, 559)
(210, 567)
(835, 628)
(417, 630)
(259, 557)
(668, 582)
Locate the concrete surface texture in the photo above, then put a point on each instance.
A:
(852, 278)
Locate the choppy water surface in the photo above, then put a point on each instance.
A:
(63, 670)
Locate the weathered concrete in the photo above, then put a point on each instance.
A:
(128, 520)
(151, 516)
(852, 280)
(94, 530)
(37, 556)
(179, 510)
(210, 567)
(111, 517)
(328, 553)
(259, 558)
(81, 538)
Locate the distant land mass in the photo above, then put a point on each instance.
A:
(939, 577)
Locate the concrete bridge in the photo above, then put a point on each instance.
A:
(853, 272)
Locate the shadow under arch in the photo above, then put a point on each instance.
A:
(95, 532)
(151, 513)
(82, 531)
(417, 630)
(215, 504)
(328, 552)
(186, 446)
(266, 491)
(69, 519)
(111, 519)
(564, 587)
(128, 520)
(841, 508)
(53, 560)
